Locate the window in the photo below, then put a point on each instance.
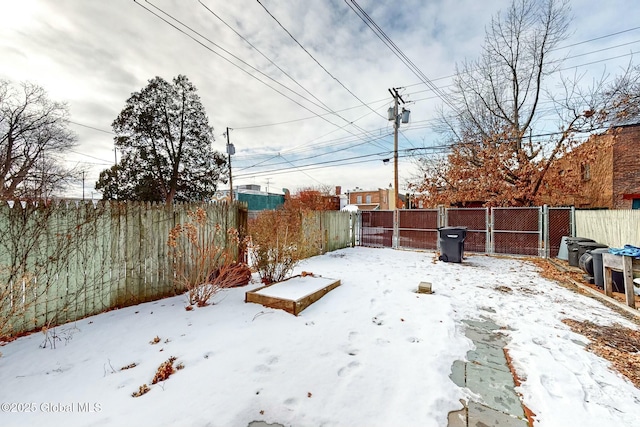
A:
(635, 204)
(585, 170)
(369, 198)
(359, 200)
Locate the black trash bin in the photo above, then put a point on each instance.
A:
(452, 243)
(572, 247)
(584, 247)
(598, 275)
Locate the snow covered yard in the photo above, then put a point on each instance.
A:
(372, 352)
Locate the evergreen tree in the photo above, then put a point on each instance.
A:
(165, 142)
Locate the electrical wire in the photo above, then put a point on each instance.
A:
(316, 61)
(324, 107)
(379, 32)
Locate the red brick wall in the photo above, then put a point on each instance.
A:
(626, 166)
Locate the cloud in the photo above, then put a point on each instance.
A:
(95, 54)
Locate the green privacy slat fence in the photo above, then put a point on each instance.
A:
(66, 261)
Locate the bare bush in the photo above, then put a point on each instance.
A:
(279, 241)
(204, 258)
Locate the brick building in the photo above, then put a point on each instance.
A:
(611, 177)
(381, 199)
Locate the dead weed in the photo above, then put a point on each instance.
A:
(617, 344)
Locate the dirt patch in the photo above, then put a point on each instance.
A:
(617, 344)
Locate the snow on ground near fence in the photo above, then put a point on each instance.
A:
(372, 352)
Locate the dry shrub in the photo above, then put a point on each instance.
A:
(143, 389)
(164, 370)
(204, 258)
(280, 239)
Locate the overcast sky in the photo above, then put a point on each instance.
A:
(319, 118)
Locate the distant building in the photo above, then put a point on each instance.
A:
(256, 199)
(369, 200)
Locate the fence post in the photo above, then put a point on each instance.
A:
(396, 229)
(488, 227)
(546, 248)
(492, 223)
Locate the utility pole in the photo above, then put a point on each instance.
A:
(115, 170)
(395, 116)
(230, 150)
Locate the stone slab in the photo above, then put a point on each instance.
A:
(458, 374)
(486, 336)
(496, 388)
(482, 416)
(488, 355)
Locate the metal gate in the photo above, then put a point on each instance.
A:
(418, 228)
(477, 222)
(533, 231)
(517, 231)
(376, 228)
(559, 223)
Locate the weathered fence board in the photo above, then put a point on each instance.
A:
(65, 261)
(615, 228)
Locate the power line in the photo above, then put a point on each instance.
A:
(316, 61)
(239, 59)
(91, 127)
(379, 32)
(232, 55)
(597, 38)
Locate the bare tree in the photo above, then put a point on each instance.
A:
(33, 134)
(625, 97)
(501, 152)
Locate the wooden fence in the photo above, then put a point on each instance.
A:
(63, 262)
(335, 227)
(615, 228)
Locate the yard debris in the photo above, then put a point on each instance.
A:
(617, 344)
(129, 366)
(156, 340)
(143, 389)
(164, 370)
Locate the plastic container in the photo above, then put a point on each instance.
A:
(584, 247)
(586, 263)
(451, 243)
(563, 251)
(598, 274)
(572, 247)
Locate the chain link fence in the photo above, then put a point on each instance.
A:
(533, 231)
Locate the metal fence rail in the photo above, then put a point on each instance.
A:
(477, 222)
(418, 228)
(515, 231)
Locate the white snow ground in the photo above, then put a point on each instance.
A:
(370, 353)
